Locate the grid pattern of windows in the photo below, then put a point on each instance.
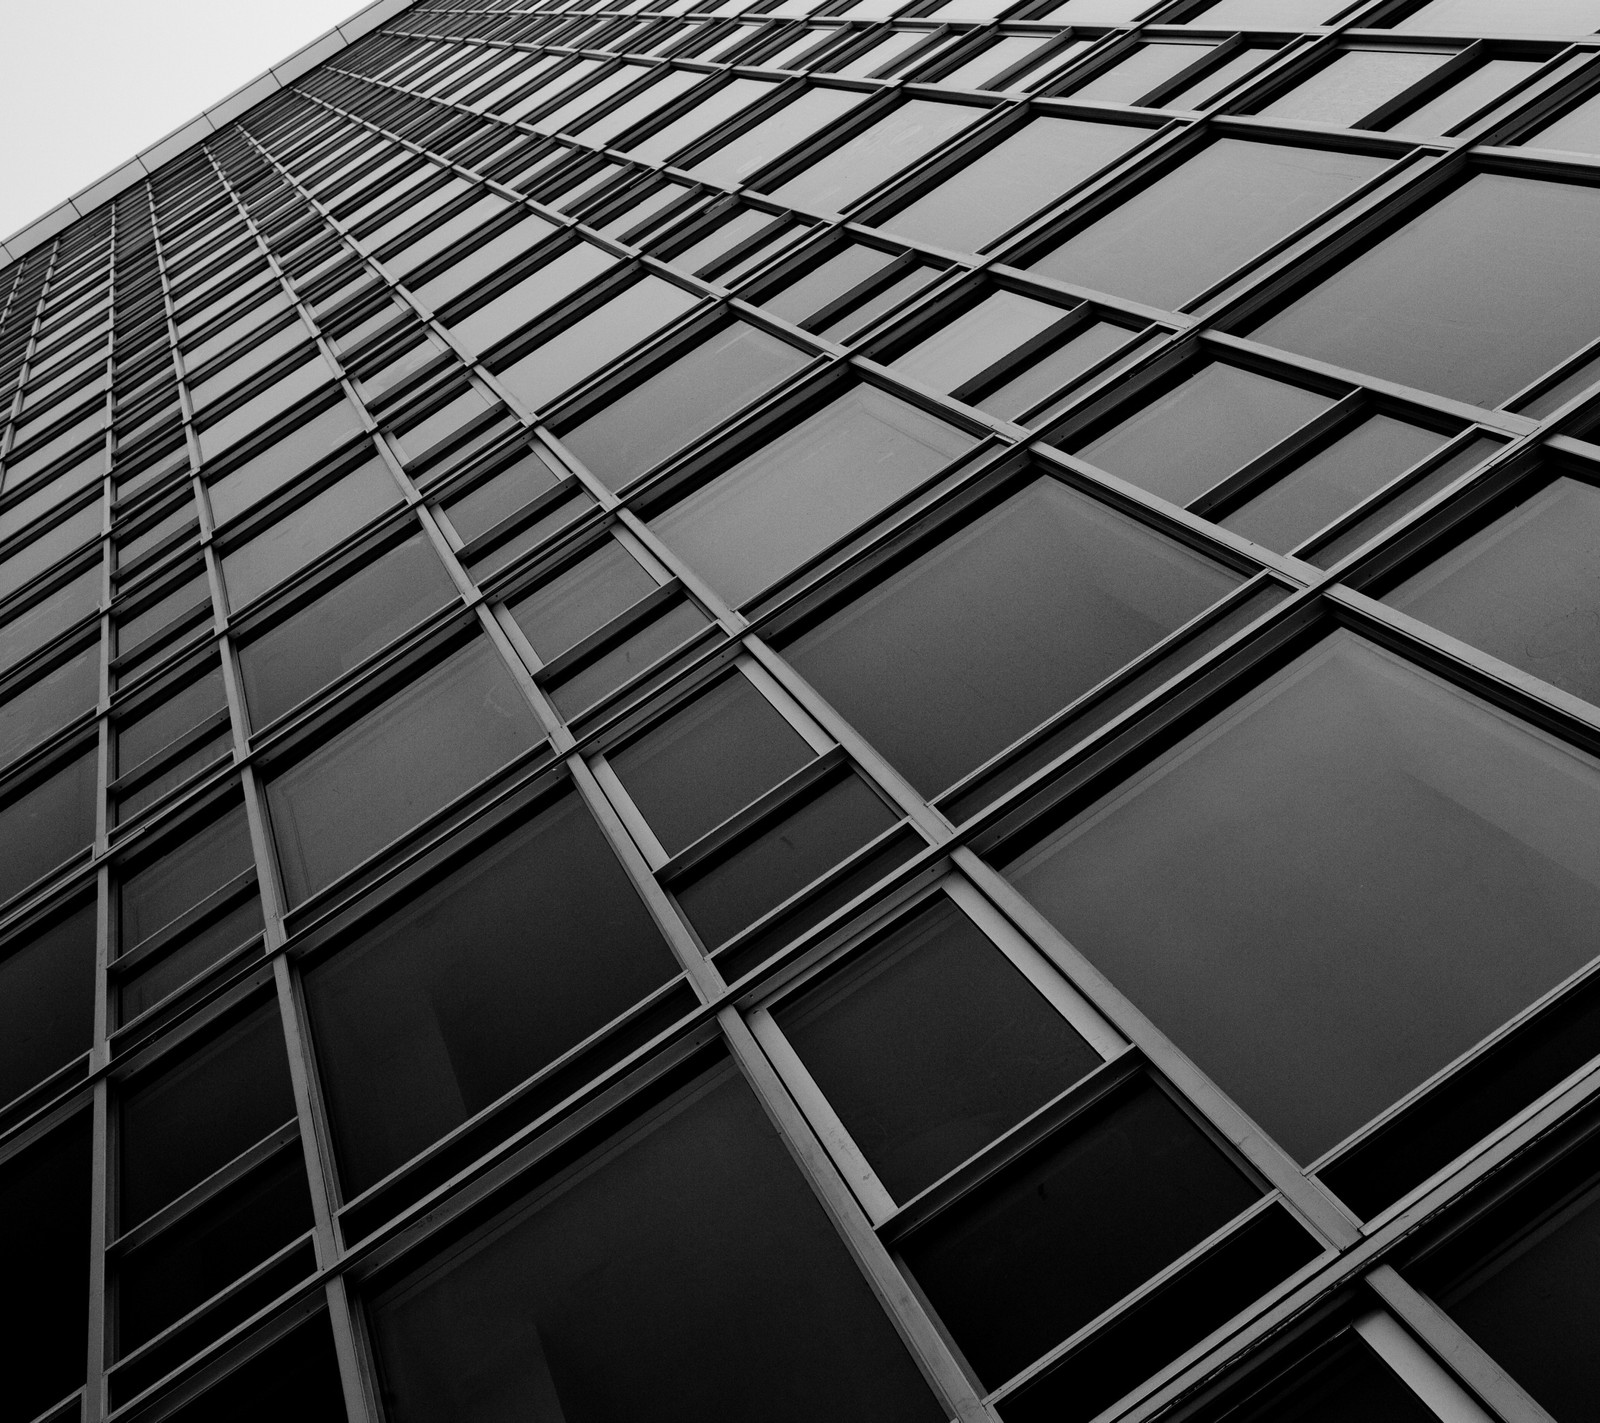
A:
(791, 709)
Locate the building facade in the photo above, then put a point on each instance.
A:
(777, 711)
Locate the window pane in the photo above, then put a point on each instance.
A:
(690, 1265)
(1577, 130)
(813, 484)
(708, 760)
(46, 705)
(965, 345)
(581, 599)
(1526, 589)
(1467, 96)
(1184, 442)
(1028, 1258)
(283, 461)
(154, 895)
(1352, 1385)
(341, 627)
(499, 497)
(680, 402)
(448, 729)
(645, 645)
(1197, 223)
(1012, 181)
(1476, 296)
(1051, 372)
(297, 1378)
(1333, 481)
(931, 1045)
(826, 282)
(454, 1000)
(1352, 86)
(1489, 17)
(764, 140)
(47, 824)
(1268, 14)
(46, 1001)
(1336, 887)
(951, 659)
(1146, 67)
(537, 292)
(700, 118)
(32, 628)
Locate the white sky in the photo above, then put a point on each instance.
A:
(88, 83)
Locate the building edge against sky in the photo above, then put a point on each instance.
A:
(759, 711)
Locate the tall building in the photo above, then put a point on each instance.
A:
(762, 712)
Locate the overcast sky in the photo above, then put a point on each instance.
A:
(88, 83)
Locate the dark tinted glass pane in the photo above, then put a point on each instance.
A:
(342, 627)
(1526, 589)
(805, 844)
(476, 985)
(448, 730)
(46, 1001)
(321, 523)
(688, 1275)
(1184, 442)
(1475, 297)
(48, 704)
(858, 316)
(296, 1378)
(200, 1114)
(1266, 14)
(46, 1268)
(155, 895)
(1194, 225)
(970, 343)
(185, 709)
(208, 945)
(980, 639)
(1350, 1387)
(930, 1046)
(581, 599)
(1025, 1260)
(813, 484)
(1347, 881)
(1333, 481)
(709, 760)
(681, 402)
(662, 634)
(826, 282)
(47, 824)
(880, 150)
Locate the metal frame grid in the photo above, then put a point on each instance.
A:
(323, 259)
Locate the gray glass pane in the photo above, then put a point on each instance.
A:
(1353, 85)
(1475, 297)
(1203, 90)
(47, 985)
(1577, 130)
(1336, 887)
(1043, 377)
(813, 484)
(581, 599)
(283, 461)
(448, 730)
(47, 824)
(951, 659)
(882, 149)
(154, 895)
(1333, 481)
(930, 1046)
(965, 345)
(998, 57)
(690, 1266)
(1490, 17)
(46, 705)
(1465, 97)
(680, 402)
(764, 140)
(1526, 589)
(858, 317)
(1146, 67)
(663, 634)
(341, 627)
(1194, 225)
(1268, 14)
(537, 292)
(708, 760)
(456, 998)
(1201, 431)
(1350, 1387)
(1013, 180)
(499, 497)
(701, 118)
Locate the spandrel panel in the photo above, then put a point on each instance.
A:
(589, 1281)
(968, 344)
(1526, 589)
(449, 729)
(1474, 297)
(1026, 1259)
(342, 627)
(930, 1045)
(708, 760)
(1490, 17)
(952, 658)
(1194, 225)
(811, 485)
(669, 408)
(46, 1000)
(1013, 180)
(424, 1021)
(1365, 871)
(1184, 442)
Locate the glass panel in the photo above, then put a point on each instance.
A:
(1475, 297)
(1525, 589)
(681, 401)
(1144, 69)
(1578, 130)
(1333, 481)
(764, 140)
(1489, 17)
(1269, 14)
(654, 640)
(154, 730)
(500, 496)
(535, 293)
(1353, 85)
(283, 461)
(209, 945)
(811, 485)
(1184, 442)
(49, 547)
(297, 1378)
(32, 628)
(1202, 91)
(1050, 373)
(952, 658)
(47, 824)
(449, 729)
(1351, 1385)
(970, 343)
(1026, 1259)
(577, 1306)
(1013, 180)
(708, 760)
(996, 59)
(469, 989)
(46, 1001)
(1464, 98)
(342, 627)
(1289, 894)
(930, 1045)
(825, 283)
(700, 118)
(262, 407)
(581, 599)
(1097, 12)
(46, 705)
(1197, 223)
